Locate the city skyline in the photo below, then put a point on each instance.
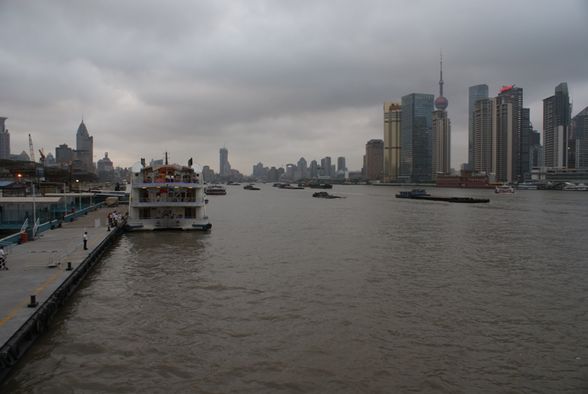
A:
(270, 82)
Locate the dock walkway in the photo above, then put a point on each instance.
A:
(40, 268)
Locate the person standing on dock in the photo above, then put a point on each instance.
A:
(85, 240)
(3, 266)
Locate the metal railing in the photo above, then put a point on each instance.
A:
(40, 227)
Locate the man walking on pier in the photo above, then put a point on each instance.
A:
(85, 240)
(3, 259)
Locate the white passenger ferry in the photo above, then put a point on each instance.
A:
(167, 196)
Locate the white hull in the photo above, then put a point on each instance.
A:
(168, 224)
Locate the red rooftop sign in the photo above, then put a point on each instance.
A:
(506, 88)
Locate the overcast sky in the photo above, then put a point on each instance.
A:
(270, 80)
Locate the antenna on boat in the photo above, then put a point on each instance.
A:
(165, 158)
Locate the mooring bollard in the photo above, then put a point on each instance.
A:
(69, 268)
(33, 302)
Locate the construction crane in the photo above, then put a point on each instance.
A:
(31, 150)
(42, 156)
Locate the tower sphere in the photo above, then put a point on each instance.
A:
(441, 103)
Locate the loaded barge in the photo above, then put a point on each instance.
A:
(421, 194)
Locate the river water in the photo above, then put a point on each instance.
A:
(366, 294)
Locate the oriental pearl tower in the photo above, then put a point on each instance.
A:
(441, 136)
(441, 102)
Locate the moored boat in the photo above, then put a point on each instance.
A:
(568, 186)
(289, 186)
(168, 196)
(504, 189)
(251, 187)
(320, 185)
(527, 186)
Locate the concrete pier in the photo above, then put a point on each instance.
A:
(41, 276)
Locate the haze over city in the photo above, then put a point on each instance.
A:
(271, 82)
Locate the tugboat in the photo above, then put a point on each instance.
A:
(168, 196)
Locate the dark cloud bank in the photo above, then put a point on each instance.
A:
(272, 81)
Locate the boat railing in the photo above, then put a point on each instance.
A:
(166, 200)
(151, 203)
(196, 184)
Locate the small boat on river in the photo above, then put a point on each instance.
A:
(324, 195)
(251, 187)
(504, 189)
(215, 190)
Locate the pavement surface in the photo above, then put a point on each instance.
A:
(39, 267)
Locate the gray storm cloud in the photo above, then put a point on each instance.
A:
(273, 81)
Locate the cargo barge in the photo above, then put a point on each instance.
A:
(421, 194)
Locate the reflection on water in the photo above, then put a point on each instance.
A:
(363, 294)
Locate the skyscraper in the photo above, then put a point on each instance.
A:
(580, 132)
(477, 92)
(482, 137)
(341, 166)
(501, 138)
(105, 168)
(301, 168)
(326, 166)
(313, 169)
(64, 155)
(416, 142)
(525, 145)
(392, 132)
(224, 166)
(441, 133)
(4, 140)
(84, 148)
(556, 125)
(374, 159)
(535, 150)
(506, 133)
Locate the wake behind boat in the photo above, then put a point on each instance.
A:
(167, 196)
